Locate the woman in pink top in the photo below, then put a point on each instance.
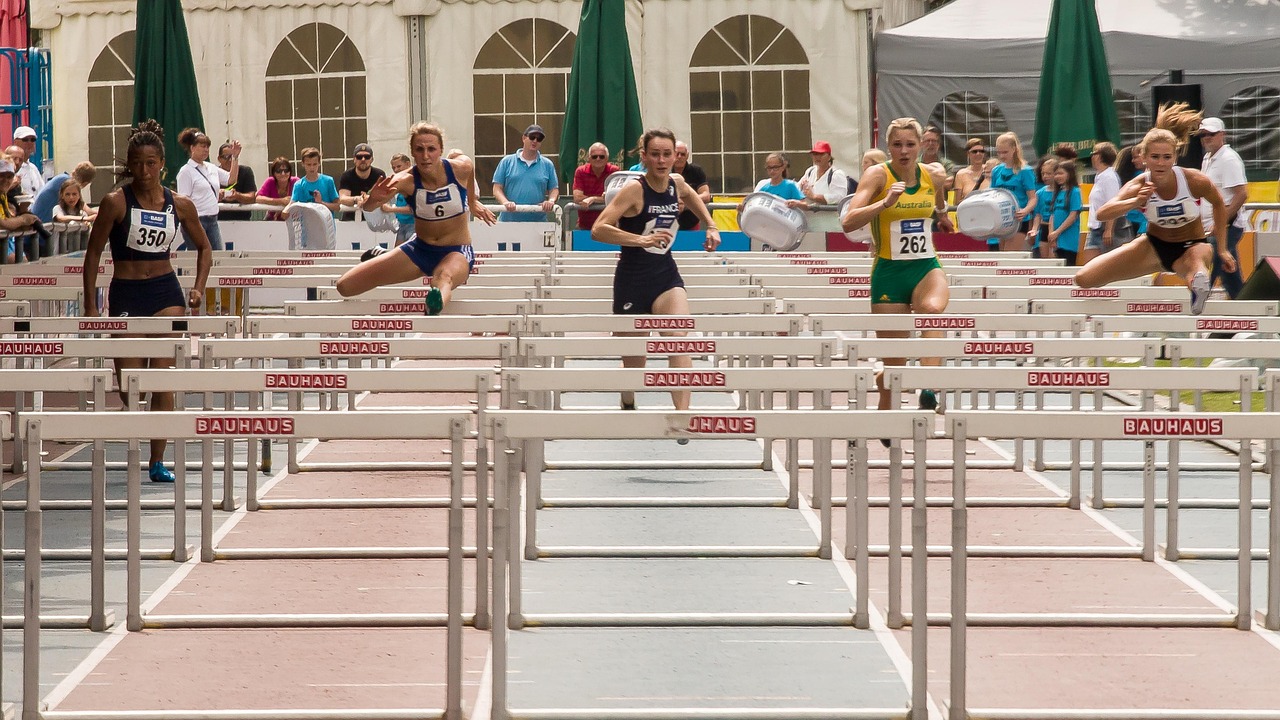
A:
(277, 189)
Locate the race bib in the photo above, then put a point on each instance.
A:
(662, 222)
(911, 239)
(151, 231)
(440, 204)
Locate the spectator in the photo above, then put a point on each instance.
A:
(315, 186)
(278, 189)
(71, 206)
(1066, 151)
(588, 184)
(777, 183)
(1129, 164)
(696, 178)
(202, 182)
(404, 220)
(11, 218)
(47, 199)
(1064, 221)
(873, 157)
(526, 177)
(1104, 237)
(31, 176)
(355, 183)
(244, 190)
(971, 178)
(1014, 175)
(1226, 171)
(824, 183)
(1043, 216)
(931, 152)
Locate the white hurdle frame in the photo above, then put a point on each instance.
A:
(511, 429)
(1118, 426)
(194, 426)
(481, 381)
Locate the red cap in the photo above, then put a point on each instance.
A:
(821, 146)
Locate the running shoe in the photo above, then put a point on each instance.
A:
(435, 301)
(372, 253)
(682, 441)
(928, 400)
(1199, 292)
(160, 474)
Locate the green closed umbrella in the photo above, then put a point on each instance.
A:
(603, 105)
(165, 83)
(1075, 104)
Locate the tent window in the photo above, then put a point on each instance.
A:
(1134, 116)
(748, 96)
(110, 104)
(316, 96)
(521, 76)
(1252, 117)
(965, 115)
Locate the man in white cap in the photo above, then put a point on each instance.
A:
(1226, 170)
(30, 176)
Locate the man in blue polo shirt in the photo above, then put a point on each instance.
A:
(526, 178)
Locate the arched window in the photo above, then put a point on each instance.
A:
(965, 115)
(1134, 116)
(110, 105)
(316, 96)
(520, 77)
(1252, 117)
(748, 97)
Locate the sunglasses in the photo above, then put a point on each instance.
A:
(599, 157)
(977, 151)
(536, 138)
(363, 156)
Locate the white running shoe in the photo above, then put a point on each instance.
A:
(1199, 292)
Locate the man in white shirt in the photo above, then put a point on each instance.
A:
(30, 175)
(1226, 170)
(823, 183)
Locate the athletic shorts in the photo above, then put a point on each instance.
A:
(1169, 252)
(637, 287)
(144, 298)
(427, 257)
(893, 281)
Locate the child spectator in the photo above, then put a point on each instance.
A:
(71, 206)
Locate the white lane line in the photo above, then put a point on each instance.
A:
(799, 642)
(484, 695)
(1172, 568)
(883, 634)
(120, 631)
(1100, 655)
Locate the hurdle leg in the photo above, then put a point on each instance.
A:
(895, 618)
(501, 545)
(1097, 501)
(856, 531)
(206, 501)
(1148, 500)
(1244, 558)
(98, 538)
(228, 465)
(1019, 444)
(764, 401)
(295, 404)
(533, 496)
(919, 574)
(32, 545)
(481, 621)
(133, 550)
(453, 672)
(1173, 480)
(1073, 501)
(180, 500)
(822, 493)
(959, 572)
(515, 617)
(1273, 557)
(251, 475)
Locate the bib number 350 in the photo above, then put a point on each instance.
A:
(152, 238)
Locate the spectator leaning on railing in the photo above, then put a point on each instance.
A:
(47, 199)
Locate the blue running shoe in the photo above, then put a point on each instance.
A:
(435, 301)
(1199, 292)
(928, 400)
(160, 474)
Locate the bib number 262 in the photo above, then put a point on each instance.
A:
(913, 244)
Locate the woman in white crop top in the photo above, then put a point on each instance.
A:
(1170, 197)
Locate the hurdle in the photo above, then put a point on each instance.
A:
(211, 325)
(363, 325)
(1166, 326)
(746, 324)
(199, 425)
(820, 381)
(510, 429)
(960, 306)
(1020, 325)
(11, 308)
(606, 279)
(1119, 426)
(67, 237)
(257, 382)
(45, 301)
(1118, 306)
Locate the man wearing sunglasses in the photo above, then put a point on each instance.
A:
(526, 177)
(355, 183)
(588, 184)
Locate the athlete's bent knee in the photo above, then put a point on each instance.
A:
(931, 306)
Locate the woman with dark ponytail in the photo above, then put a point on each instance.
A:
(140, 221)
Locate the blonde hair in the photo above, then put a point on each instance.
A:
(1012, 137)
(1174, 124)
(875, 155)
(425, 128)
(904, 123)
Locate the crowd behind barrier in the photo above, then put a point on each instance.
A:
(994, 349)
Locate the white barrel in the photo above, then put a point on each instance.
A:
(767, 218)
(616, 181)
(988, 213)
(311, 227)
(862, 234)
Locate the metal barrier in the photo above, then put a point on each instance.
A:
(181, 426)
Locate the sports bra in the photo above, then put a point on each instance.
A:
(443, 203)
(1183, 209)
(144, 234)
(659, 212)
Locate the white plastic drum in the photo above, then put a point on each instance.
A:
(767, 218)
(987, 214)
(616, 181)
(311, 227)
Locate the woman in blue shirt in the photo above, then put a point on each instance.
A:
(777, 183)
(1064, 228)
(1014, 175)
(1040, 220)
(1129, 165)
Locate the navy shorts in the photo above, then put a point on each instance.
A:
(427, 257)
(635, 288)
(144, 298)
(1169, 252)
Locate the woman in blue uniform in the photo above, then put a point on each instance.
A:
(441, 246)
(642, 220)
(140, 223)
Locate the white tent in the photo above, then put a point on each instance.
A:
(995, 48)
